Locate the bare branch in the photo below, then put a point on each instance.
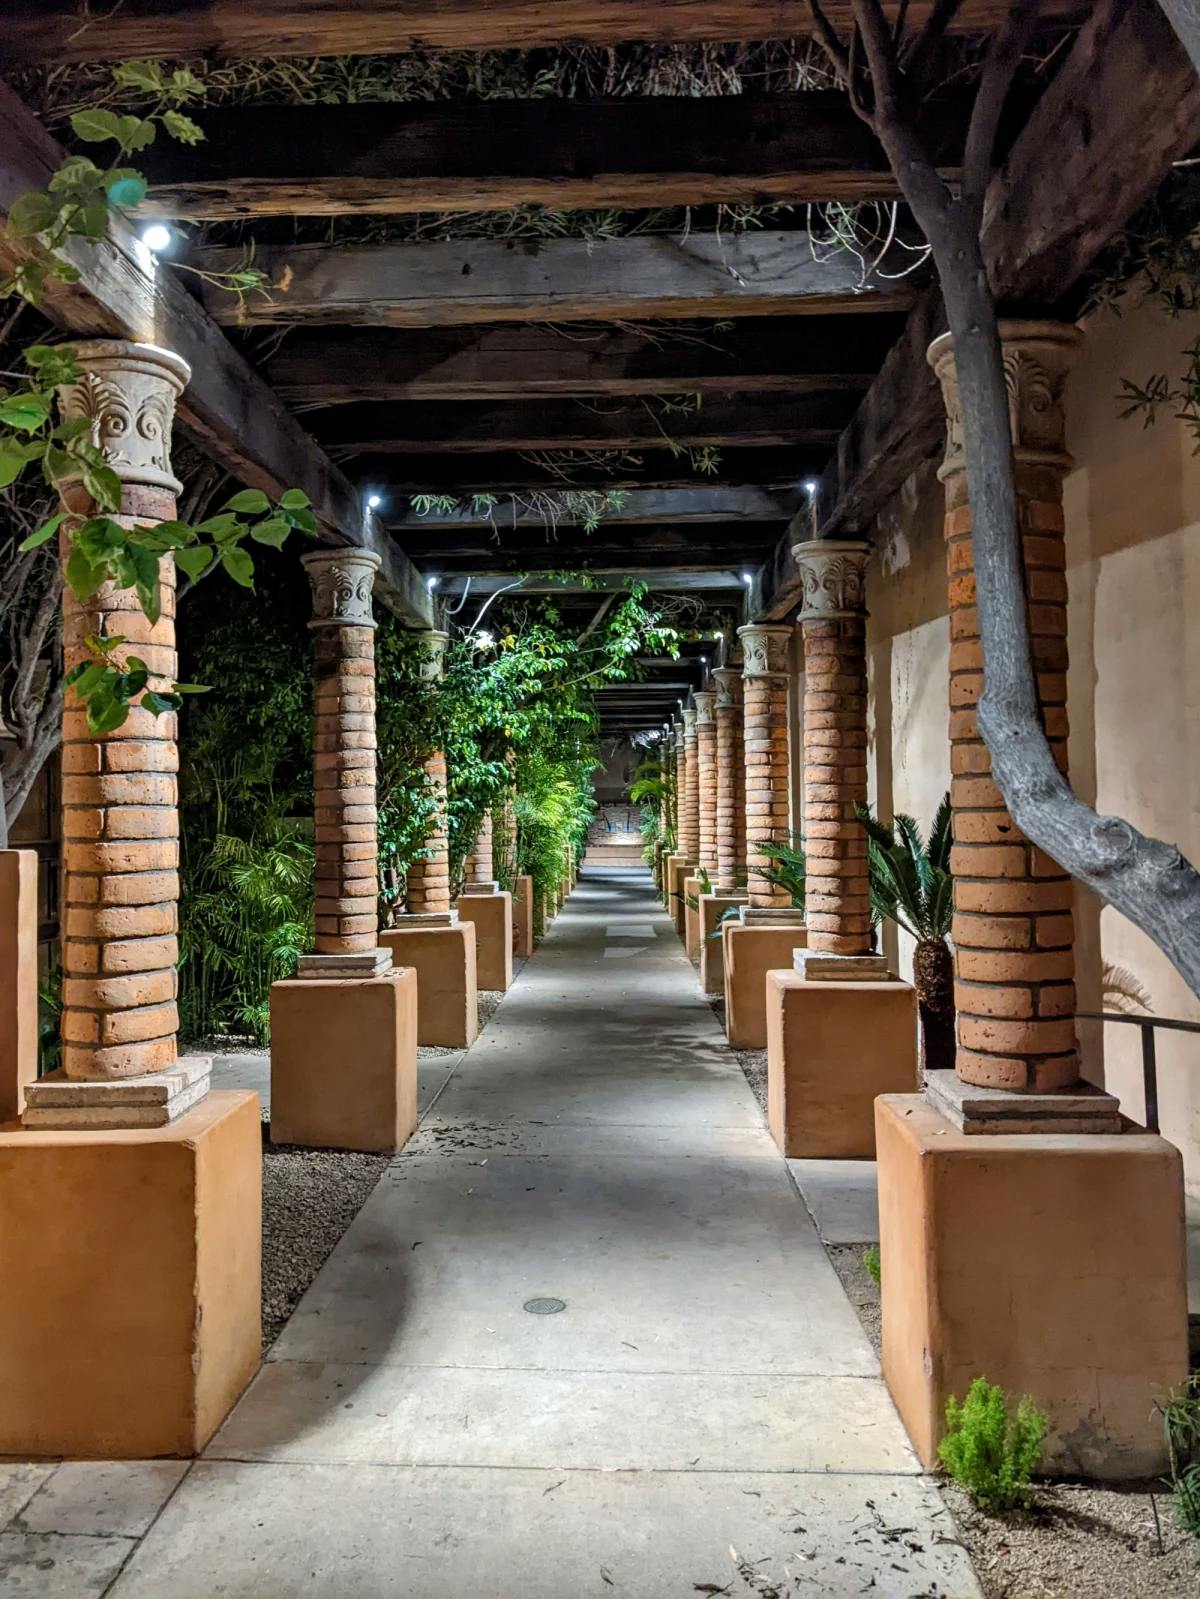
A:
(827, 37)
(917, 60)
(1003, 59)
(881, 57)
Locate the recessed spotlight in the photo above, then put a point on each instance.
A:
(374, 501)
(810, 486)
(432, 582)
(747, 578)
(158, 237)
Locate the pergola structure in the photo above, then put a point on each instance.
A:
(750, 402)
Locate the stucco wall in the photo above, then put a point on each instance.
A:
(1133, 552)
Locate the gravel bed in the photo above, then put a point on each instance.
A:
(860, 1289)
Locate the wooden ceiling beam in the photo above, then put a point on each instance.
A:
(1121, 110)
(790, 355)
(123, 292)
(399, 477)
(677, 507)
(498, 155)
(630, 279)
(683, 581)
(52, 30)
(443, 427)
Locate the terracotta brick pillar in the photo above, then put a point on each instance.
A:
(833, 625)
(689, 811)
(706, 783)
(120, 882)
(429, 878)
(666, 809)
(347, 873)
(730, 780)
(765, 743)
(479, 866)
(680, 782)
(1013, 931)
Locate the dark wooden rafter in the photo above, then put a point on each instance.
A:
(629, 279)
(713, 547)
(497, 155)
(1123, 107)
(122, 293)
(53, 30)
(443, 427)
(724, 589)
(395, 477)
(787, 355)
(672, 507)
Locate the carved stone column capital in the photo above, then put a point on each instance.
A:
(765, 649)
(689, 723)
(833, 572)
(127, 393)
(1037, 359)
(433, 665)
(704, 707)
(677, 732)
(729, 686)
(341, 581)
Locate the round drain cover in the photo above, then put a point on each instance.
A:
(545, 1307)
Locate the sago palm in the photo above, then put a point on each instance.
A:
(911, 885)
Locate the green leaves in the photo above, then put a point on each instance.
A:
(43, 535)
(31, 214)
(249, 502)
(239, 566)
(182, 127)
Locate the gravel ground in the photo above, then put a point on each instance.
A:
(310, 1197)
(860, 1288)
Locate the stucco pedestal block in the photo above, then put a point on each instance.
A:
(130, 1316)
(344, 1062)
(18, 978)
(447, 986)
(712, 960)
(1051, 1264)
(492, 917)
(691, 916)
(832, 1048)
(748, 954)
(678, 871)
(523, 917)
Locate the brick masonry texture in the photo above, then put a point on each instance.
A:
(731, 796)
(429, 879)
(479, 866)
(706, 796)
(1013, 933)
(835, 784)
(347, 875)
(689, 817)
(765, 747)
(680, 791)
(120, 883)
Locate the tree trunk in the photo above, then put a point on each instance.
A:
(933, 979)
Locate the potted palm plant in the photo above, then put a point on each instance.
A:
(911, 885)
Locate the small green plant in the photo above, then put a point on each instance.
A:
(787, 870)
(1181, 1424)
(990, 1450)
(49, 1014)
(870, 1260)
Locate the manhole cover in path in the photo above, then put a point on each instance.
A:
(545, 1307)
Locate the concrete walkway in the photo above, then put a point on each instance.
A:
(699, 1413)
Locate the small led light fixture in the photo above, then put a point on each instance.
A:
(157, 237)
(747, 578)
(810, 486)
(374, 501)
(431, 582)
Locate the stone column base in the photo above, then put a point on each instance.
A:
(748, 954)
(344, 1062)
(82, 1104)
(832, 1047)
(523, 917)
(18, 978)
(678, 871)
(712, 963)
(447, 986)
(492, 887)
(350, 963)
(492, 917)
(130, 1317)
(1052, 1265)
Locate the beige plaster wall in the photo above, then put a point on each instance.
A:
(1133, 550)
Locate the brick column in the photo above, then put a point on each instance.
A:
(765, 743)
(730, 780)
(1013, 931)
(346, 912)
(429, 878)
(120, 883)
(706, 783)
(680, 781)
(833, 624)
(479, 869)
(689, 813)
(666, 809)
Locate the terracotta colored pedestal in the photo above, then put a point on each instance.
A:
(344, 1062)
(18, 978)
(678, 872)
(748, 954)
(712, 950)
(492, 917)
(1051, 1264)
(668, 865)
(447, 987)
(130, 1316)
(523, 917)
(832, 1048)
(691, 916)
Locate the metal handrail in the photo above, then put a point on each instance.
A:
(1147, 1025)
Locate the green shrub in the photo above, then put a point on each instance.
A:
(1181, 1423)
(990, 1452)
(870, 1259)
